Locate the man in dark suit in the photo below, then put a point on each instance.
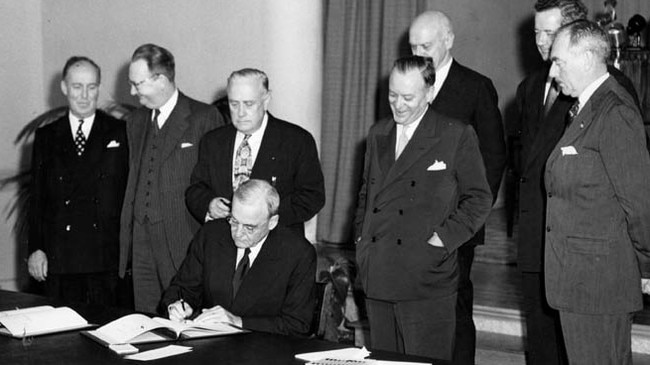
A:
(247, 270)
(597, 242)
(424, 194)
(79, 167)
(274, 150)
(163, 139)
(541, 120)
(464, 94)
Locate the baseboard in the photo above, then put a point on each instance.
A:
(492, 321)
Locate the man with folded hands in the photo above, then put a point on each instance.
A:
(246, 270)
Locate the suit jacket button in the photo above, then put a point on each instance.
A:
(68, 228)
(413, 183)
(374, 239)
(67, 202)
(401, 212)
(549, 195)
(548, 228)
(375, 210)
(399, 241)
(522, 180)
(95, 226)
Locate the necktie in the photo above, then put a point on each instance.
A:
(243, 163)
(550, 97)
(401, 142)
(80, 139)
(240, 272)
(573, 112)
(156, 114)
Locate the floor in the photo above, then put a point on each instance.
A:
(496, 284)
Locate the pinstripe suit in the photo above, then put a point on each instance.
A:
(187, 123)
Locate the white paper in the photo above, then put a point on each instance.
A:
(350, 353)
(160, 353)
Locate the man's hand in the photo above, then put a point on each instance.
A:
(179, 311)
(218, 314)
(37, 265)
(218, 208)
(645, 286)
(435, 241)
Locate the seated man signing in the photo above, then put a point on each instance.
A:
(246, 270)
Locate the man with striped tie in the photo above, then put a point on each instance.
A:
(256, 145)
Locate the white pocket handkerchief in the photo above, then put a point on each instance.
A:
(186, 144)
(437, 166)
(113, 144)
(568, 150)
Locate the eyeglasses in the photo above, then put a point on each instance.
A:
(140, 83)
(248, 228)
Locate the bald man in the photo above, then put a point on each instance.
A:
(464, 94)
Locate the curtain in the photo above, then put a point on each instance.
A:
(635, 64)
(362, 39)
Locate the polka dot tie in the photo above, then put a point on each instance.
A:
(80, 139)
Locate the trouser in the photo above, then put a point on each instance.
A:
(544, 341)
(152, 265)
(418, 327)
(465, 348)
(597, 339)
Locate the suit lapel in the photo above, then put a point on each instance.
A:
(582, 121)
(227, 150)
(65, 143)
(266, 158)
(386, 148)
(448, 92)
(259, 276)
(95, 143)
(177, 123)
(421, 142)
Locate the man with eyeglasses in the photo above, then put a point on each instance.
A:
(163, 136)
(247, 270)
(256, 145)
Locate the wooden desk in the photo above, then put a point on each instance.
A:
(72, 348)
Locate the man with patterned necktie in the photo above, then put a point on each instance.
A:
(79, 167)
(256, 145)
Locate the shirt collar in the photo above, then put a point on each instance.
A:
(85, 128)
(166, 109)
(590, 90)
(255, 250)
(441, 75)
(410, 129)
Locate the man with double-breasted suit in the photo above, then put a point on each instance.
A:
(464, 94)
(424, 194)
(163, 139)
(597, 242)
(79, 167)
(247, 270)
(279, 152)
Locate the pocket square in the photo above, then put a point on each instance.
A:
(437, 166)
(113, 144)
(568, 150)
(186, 144)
